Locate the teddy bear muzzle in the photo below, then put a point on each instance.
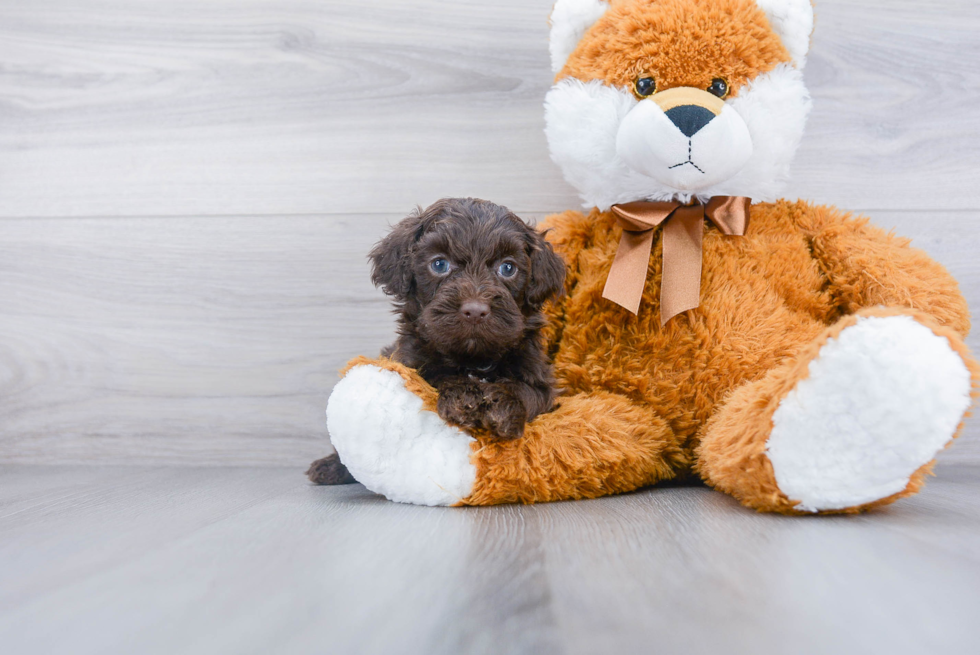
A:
(685, 138)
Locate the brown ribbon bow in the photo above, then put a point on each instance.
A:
(680, 289)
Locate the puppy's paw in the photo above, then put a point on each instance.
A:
(461, 402)
(505, 414)
(329, 470)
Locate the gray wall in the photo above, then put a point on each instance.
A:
(188, 189)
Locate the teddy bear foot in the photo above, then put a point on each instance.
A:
(878, 402)
(394, 446)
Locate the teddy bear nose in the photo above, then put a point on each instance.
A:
(474, 311)
(689, 119)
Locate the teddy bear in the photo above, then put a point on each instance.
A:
(791, 355)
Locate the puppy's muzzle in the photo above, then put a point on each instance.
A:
(474, 311)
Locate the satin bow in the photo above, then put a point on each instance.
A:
(680, 288)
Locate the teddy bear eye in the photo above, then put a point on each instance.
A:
(507, 269)
(439, 266)
(644, 86)
(718, 87)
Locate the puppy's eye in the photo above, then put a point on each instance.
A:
(718, 87)
(507, 269)
(644, 86)
(440, 266)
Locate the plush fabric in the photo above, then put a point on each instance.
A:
(383, 422)
(824, 367)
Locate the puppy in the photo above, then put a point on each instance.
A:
(469, 279)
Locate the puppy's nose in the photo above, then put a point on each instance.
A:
(690, 119)
(474, 311)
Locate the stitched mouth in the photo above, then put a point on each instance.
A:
(688, 162)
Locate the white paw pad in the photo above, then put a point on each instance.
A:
(880, 401)
(394, 447)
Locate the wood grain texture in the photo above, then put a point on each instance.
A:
(181, 340)
(256, 561)
(217, 341)
(188, 108)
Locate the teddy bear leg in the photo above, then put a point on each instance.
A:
(383, 422)
(591, 445)
(853, 422)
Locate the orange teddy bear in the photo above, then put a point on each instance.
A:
(790, 355)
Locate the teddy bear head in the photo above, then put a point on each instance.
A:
(677, 99)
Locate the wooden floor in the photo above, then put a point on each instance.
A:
(255, 560)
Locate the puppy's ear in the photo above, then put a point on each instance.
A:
(391, 261)
(547, 272)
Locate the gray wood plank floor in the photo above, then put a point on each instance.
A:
(254, 560)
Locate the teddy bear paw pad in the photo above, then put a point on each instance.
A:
(392, 445)
(879, 402)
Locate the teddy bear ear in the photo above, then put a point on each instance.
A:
(570, 20)
(792, 20)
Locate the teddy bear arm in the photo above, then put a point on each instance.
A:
(867, 267)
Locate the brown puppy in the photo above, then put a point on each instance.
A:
(469, 279)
